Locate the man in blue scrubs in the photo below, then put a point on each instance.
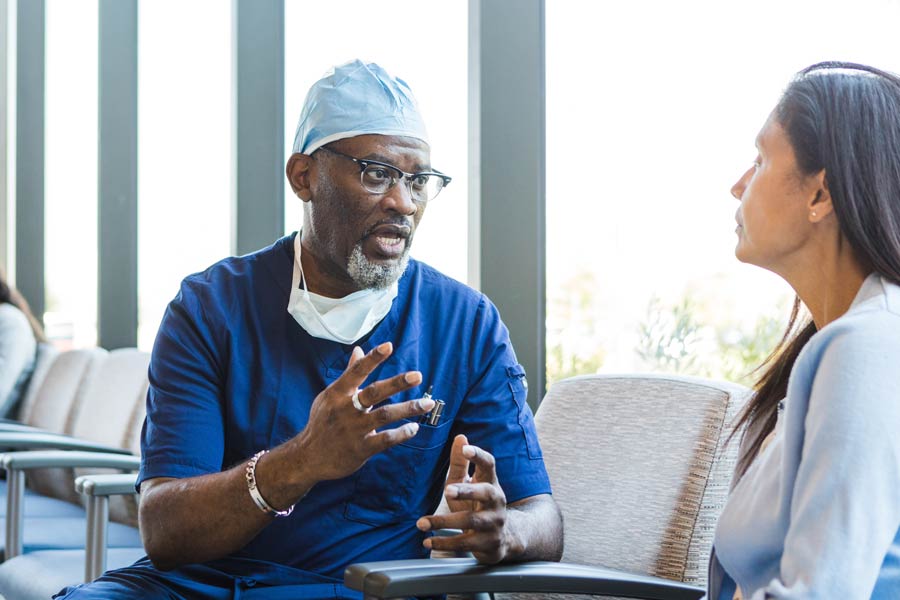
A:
(290, 430)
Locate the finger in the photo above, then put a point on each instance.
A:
(355, 356)
(378, 391)
(382, 440)
(459, 464)
(485, 465)
(488, 494)
(470, 541)
(482, 520)
(402, 410)
(357, 370)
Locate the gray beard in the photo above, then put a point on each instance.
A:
(368, 275)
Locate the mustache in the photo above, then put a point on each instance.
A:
(398, 221)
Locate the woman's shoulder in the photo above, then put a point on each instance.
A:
(17, 343)
(872, 323)
(13, 320)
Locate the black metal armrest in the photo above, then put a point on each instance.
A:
(404, 578)
(17, 463)
(34, 439)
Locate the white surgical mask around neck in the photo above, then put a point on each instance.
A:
(343, 320)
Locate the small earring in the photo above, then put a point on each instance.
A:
(812, 214)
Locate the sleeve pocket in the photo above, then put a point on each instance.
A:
(518, 386)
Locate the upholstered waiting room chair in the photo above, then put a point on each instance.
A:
(640, 470)
(97, 423)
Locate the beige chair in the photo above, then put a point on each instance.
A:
(640, 470)
(111, 392)
(106, 390)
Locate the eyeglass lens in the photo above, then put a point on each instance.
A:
(379, 179)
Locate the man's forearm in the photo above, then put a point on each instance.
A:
(536, 527)
(202, 518)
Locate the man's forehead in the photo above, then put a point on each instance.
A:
(386, 148)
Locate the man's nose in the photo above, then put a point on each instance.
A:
(400, 199)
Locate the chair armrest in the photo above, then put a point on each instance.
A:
(16, 463)
(404, 578)
(98, 488)
(43, 459)
(16, 426)
(106, 484)
(27, 440)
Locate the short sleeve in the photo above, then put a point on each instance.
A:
(183, 434)
(495, 414)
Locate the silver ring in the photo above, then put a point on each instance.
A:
(357, 404)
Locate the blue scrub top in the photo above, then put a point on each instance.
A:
(233, 373)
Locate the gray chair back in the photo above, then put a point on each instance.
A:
(58, 386)
(639, 468)
(46, 355)
(115, 397)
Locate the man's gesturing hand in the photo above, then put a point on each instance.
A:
(477, 505)
(340, 437)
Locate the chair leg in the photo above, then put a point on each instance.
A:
(97, 525)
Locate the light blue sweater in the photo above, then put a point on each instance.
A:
(817, 514)
(17, 355)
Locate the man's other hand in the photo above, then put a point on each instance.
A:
(477, 507)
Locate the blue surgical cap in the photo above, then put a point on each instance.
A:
(355, 99)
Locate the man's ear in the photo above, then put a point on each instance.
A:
(298, 175)
(820, 205)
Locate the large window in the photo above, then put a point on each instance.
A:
(318, 36)
(184, 148)
(652, 111)
(70, 175)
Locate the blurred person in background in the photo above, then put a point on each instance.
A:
(20, 333)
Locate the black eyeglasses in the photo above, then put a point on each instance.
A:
(378, 177)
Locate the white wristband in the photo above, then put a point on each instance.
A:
(254, 491)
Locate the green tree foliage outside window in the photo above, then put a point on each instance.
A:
(679, 339)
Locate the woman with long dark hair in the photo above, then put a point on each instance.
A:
(815, 510)
(19, 334)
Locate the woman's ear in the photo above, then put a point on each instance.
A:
(298, 175)
(820, 205)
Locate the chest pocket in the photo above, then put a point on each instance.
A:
(402, 482)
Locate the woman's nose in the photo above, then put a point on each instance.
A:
(737, 190)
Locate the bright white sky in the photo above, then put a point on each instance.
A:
(652, 109)
(652, 112)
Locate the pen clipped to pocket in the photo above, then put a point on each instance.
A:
(434, 417)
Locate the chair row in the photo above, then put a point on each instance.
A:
(82, 413)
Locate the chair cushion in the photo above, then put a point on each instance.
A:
(37, 505)
(39, 575)
(51, 533)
